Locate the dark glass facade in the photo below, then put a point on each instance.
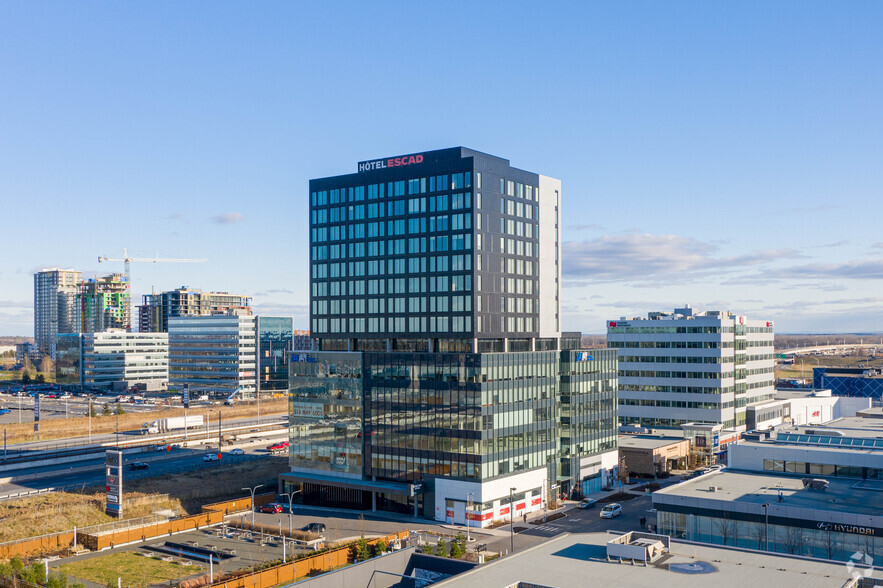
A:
(444, 248)
(274, 341)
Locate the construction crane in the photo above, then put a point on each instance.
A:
(128, 260)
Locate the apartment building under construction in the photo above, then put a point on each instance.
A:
(156, 309)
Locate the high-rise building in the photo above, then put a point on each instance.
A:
(103, 304)
(157, 309)
(213, 354)
(692, 367)
(55, 308)
(274, 342)
(442, 385)
(113, 360)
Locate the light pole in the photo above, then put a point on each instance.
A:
(90, 419)
(290, 496)
(253, 490)
(469, 502)
(766, 526)
(511, 522)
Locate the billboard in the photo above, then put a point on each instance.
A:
(113, 484)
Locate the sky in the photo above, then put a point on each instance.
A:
(727, 155)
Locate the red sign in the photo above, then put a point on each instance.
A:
(391, 162)
(504, 510)
(520, 506)
(817, 413)
(612, 323)
(449, 513)
(485, 516)
(535, 500)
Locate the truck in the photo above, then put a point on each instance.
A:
(172, 424)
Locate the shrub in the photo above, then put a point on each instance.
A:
(441, 548)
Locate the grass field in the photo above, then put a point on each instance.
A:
(134, 571)
(77, 426)
(184, 493)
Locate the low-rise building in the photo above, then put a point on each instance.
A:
(801, 406)
(113, 360)
(651, 456)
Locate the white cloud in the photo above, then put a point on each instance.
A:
(228, 218)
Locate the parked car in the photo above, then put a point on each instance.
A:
(587, 503)
(314, 528)
(278, 446)
(271, 508)
(237, 451)
(611, 510)
(210, 457)
(138, 465)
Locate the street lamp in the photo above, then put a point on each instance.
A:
(469, 502)
(511, 522)
(766, 526)
(253, 490)
(290, 496)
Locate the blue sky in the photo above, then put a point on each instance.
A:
(722, 154)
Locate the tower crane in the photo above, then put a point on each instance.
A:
(128, 260)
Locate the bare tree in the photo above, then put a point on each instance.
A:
(726, 528)
(794, 540)
(829, 543)
(758, 533)
(47, 366)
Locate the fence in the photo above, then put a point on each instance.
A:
(300, 568)
(125, 531)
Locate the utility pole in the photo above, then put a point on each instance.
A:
(470, 505)
(766, 526)
(511, 522)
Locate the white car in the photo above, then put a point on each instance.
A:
(237, 451)
(210, 457)
(611, 510)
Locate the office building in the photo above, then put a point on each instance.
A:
(55, 308)
(304, 341)
(213, 355)
(855, 382)
(688, 367)
(28, 351)
(113, 360)
(103, 304)
(802, 406)
(442, 385)
(274, 342)
(157, 309)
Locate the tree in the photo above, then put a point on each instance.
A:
(27, 366)
(92, 411)
(40, 379)
(758, 533)
(380, 547)
(47, 366)
(120, 409)
(794, 540)
(441, 548)
(726, 528)
(25, 377)
(106, 410)
(362, 552)
(456, 550)
(427, 548)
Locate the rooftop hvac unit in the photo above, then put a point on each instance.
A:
(712, 488)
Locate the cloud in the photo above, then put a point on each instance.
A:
(870, 269)
(274, 291)
(176, 216)
(641, 257)
(228, 218)
(591, 227)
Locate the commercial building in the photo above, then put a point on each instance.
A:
(855, 382)
(442, 384)
(27, 351)
(688, 367)
(653, 456)
(103, 304)
(588, 559)
(800, 406)
(113, 360)
(214, 354)
(811, 490)
(157, 309)
(55, 308)
(274, 342)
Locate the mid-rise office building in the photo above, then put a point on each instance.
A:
(688, 367)
(55, 308)
(103, 304)
(157, 309)
(442, 385)
(214, 354)
(113, 360)
(274, 342)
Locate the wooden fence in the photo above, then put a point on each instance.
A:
(210, 515)
(300, 568)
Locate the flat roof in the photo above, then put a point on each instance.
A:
(580, 560)
(850, 427)
(647, 442)
(754, 488)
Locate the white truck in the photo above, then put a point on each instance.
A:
(172, 424)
